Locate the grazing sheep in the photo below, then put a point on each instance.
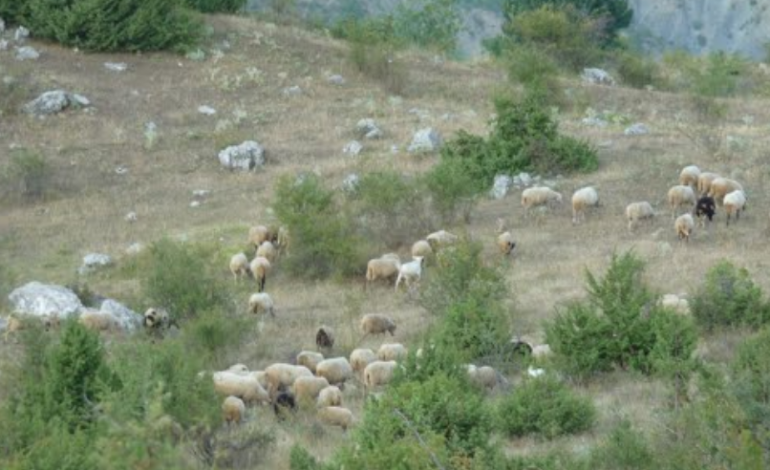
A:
(638, 211)
(377, 324)
(676, 303)
(539, 196)
(421, 248)
(379, 373)
(245, 387)
(581, 201)
(384, 267)
(233, 410)
(336, 416)
(239, 369)
(268, 251)
(283, 239)
(324, 338)
(281, 375)
(156, 321)
(336, 370)
(284, 402)
(95, 320)
(684, 226)
(360, 358)
(734, 203)
(259, 234)
(391, 352)
(721, 187)
(260, 267)
(410, 272)
(704, 182)
(309, 359)
(679, 196)
(306, 389)
(239, 266)
(329, 396)
(261, 377)
(689, 176)
(705, 207)
(485, 377)
(505, 241)
(441, 239)
(261, 302)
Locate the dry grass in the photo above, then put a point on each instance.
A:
(46, 241)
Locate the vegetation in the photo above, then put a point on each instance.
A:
(28, 175)
(217, 6)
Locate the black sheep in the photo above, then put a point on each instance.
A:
(705, 206)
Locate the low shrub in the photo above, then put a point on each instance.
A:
(625, 448)
(750, 385)
(29, 173)
(638, 71)
(217, 6)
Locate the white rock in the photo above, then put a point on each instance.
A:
(207, 110)
(79, 100)
(195, 204)
(594, 121)
(597, 77)
(350, 183)
(425, 140)
(501, 186)
(121, 170)
(201, 193)
(368, 128)
(55, 101)
(129, 320)
(636, 129)
(353, 148)
(338, 80)
(94, 261)
(116, 66)
(20, 34)
(292, 91)
(2, 26)
(3, 45)
(246, 156)
(523, 179)
(134, 249)
(27, 53)
(38, 299)
(130, 217)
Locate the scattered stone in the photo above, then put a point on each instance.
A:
(369, 129)
(594, 121)
(94, 261)
(425, 140)
(522, 180)
(597, 77)
(39, 300)
(636, 129)
(27, 53)
(79, 100)
(129, 320)
(134, 249)
(605, 144)
(352, 148)
(131, 217)
(246, 156)
(2, 26)
(394, 149)
(3, 45)
(292, 91)
(116, 66)
(338, 80)
(197, 55)
(52, 102)
(207, 110)
(195, 204)
(121, 170)
(421, 114)
(21, 34)
(501, 186)
(350, 183)
(201, 193)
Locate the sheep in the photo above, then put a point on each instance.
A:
(268, 251)
(233, 410)
(239, 266)
(336, 416)
(734, 203)
(505, 241)
(261, 377)
(705, 207)
(679, 196)
(384, 267)
(309, 359)
(391, 352)
(245, 387)
(336, 370)
(638, 211)
(483, 377)
(689, 176)
(260, 267)
(539, 196)
(259, 234)
(379, 373)
(721, 187)
(280, 375)
(440, 239)
(704, 182)
(421, 248)
(684, 226)
(329, 396)
(95, 320)
(675, 303)
(283, 239)
(410, 272)
(360, 358)
(324, 338)
(306, 389)
(582, 199)
(284, 402)
(238, 369)
(377, 324)
(261, 302)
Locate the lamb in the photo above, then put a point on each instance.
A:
(410, 272)
(261, 302)
(679, 196)
(684, 226)
(705, 207)
(505, 240)
(336, 416)
(441, 239)
(734, 203)
(281, 375)
(233, 410)
(638, 211)
(360, 358)
(95, 320)
(721, 187)
(239, 266)
(268, 251)
(379, 373)
(689, 176)
(259, 234)
(245, 387)
(260, 267)
(336, 370)
(329, 396)
(581, 201)
(704, 182)
(324, 338)
(261, 377)
(391, 352)
(384, 267)
(421, 248)
(309, 359)
(377, 324)
(539, 196)
(306, 389)
(284, 402)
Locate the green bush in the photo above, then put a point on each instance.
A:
(453, 192)
(638, 71)
(29, 173)
(428, 23)
(545, 407)
(531, 67)
(728, 297)
(216, 6)
(300, 459)
(751, 384)
(625, 448)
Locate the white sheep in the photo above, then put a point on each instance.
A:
(384, 267)
(261, 302)
(680, 196)
(261, 377)
(505, 241)
(336, 416)
(309, 359)
(360, 358)
(306, 389)
(379, 373)
(241, 369)
(259, 234)
(280, 375)
(684, 226)
(421, 248)
(329, 396)
(233, 410)
(410, 272)
(704, 182)
(391, 352)
(484, 377)
(582, 199)
(441, 239)
(638, 211)
(377, 324)
(239, 266)
(96, 320)
(689, 176)
(676, 303)
(244, 387)
(260, 267)
(734, 203)
(267, 250)
(336, 370)
(539, 196)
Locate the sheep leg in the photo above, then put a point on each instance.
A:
(262, 283)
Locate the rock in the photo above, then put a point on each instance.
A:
(21, 34)
(501, 186)
(201, 193)
(352, 148)
(350, 183)
(338, 80)
(368, 128)
(79, 100)
(3, 324)
(3, 45)
(420, 113)
(2, 26)
(197, 55)
(94, 261)
(116, 66)
(195, 204)
(292, 91)
(52, 102)
(130, 217)
(594, 122)
(134, 249)
(425, 140)
(523, 179)
(597, 77)
(207, 110)
(27, 53)
(246, 156)
(129, 320)
(37, 299)
(121, 170)
(636, 129)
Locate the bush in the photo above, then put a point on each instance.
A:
(428, 23)
(29, 173)
(728, 297)
(533, 68)
(453, 191)
(300, 459)
(217, 6)
(638, 71)
(751, 384)
(545, 407)
(624, 448)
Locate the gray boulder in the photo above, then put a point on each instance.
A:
(597, 77)
(338, 80)
(636, 129)
(2, 26)
(207, 110)
(129, 320)
(522, 180)
(38, 300)
(21, 34)
(292, 91)
(27, 53)
(116, 66)
(368, 128)
(350, 183)
(3, 44)
(425, 140)
(94, 261)
(352, 148)
(56, 101)
(501, 186)
(247, 156)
